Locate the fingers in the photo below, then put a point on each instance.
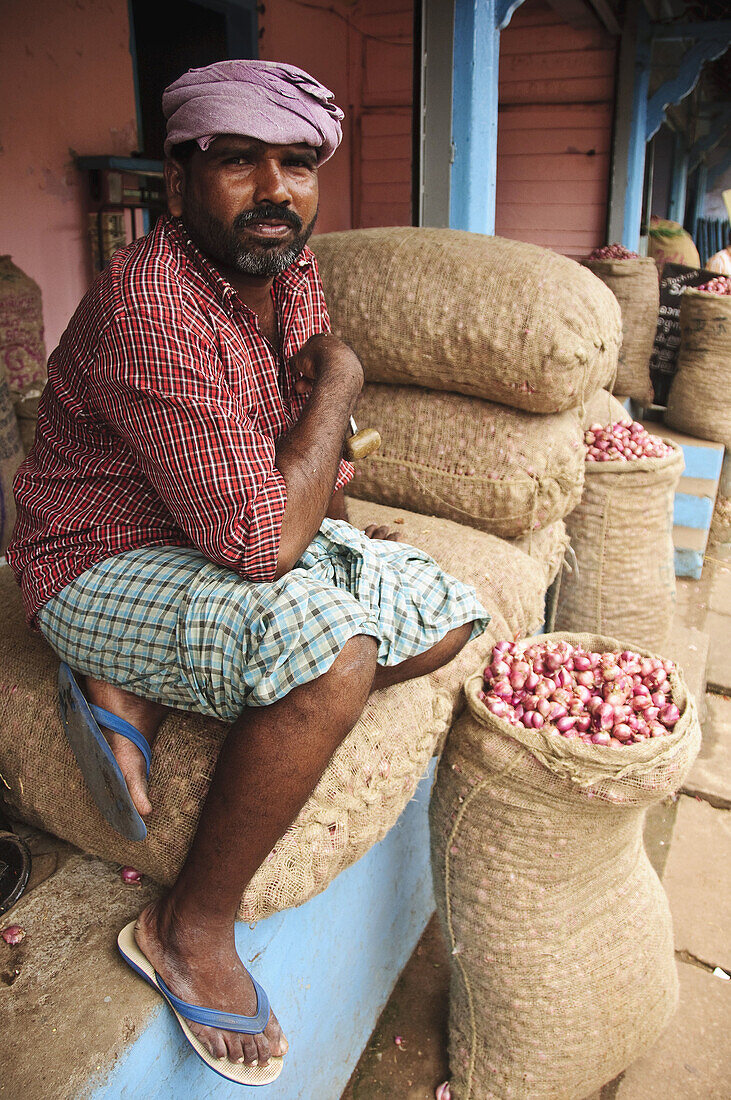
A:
(382, 531)
(302, 385)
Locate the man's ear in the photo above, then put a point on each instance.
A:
(174, 186)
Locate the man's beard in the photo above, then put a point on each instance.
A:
(222, 243)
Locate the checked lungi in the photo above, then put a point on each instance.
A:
(171, 626)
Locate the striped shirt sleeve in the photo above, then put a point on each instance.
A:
(160, 389)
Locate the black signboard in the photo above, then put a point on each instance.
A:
(664, 359)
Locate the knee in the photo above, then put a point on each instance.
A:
(349, 679)
(453, 642)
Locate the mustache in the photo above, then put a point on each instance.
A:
(268, 210)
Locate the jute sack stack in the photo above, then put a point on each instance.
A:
(484, 316)
(621, 534)
(494, 468)
(699, 402)
(11, 455)
(636, 287)
(363, 791)
(561, 942)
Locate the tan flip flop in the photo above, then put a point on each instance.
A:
(238, 1072)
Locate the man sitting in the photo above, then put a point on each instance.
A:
(182, 538)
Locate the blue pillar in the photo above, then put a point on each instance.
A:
(679, 182)
(474, 116)
(637, 138)
(477, 26)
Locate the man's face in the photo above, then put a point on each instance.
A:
(249, 206)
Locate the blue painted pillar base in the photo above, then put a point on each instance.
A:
(329, 968)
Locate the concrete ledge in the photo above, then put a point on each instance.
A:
(78, 1023)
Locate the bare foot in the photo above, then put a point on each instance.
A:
(210, 974)
(145, 716)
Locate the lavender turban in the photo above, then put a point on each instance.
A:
(275, 103)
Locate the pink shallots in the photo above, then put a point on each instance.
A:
(612, 699)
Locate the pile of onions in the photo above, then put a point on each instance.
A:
(720, 285)
(613, 252)
(621, 442)
(611, 699)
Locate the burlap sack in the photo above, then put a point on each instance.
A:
(636, 287)
(366, 786)
(603, 408)
(22, 351)
(11, 455)
(494, 468)
(669, 243)
(484, 316)
(560, 935)
(622, 536)
(699, 402)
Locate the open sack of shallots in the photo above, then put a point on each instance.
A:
(621, 531)
(562, 959)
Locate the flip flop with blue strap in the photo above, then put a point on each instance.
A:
(238, 1072)
(82, 724)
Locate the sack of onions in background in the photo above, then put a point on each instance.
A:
(562, 954)
(699, 402)
(633, 279)
(624, 580)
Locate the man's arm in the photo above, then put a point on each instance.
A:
(308, 456)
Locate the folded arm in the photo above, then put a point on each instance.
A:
(244, 502)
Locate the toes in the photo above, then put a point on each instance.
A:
(278, 1045)
(213, 1042)
(251, 1052)
(138, 792)
(262, 1045)
(234, 1046)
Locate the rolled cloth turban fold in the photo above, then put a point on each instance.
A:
(275, 103)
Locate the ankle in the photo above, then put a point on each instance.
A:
(186, 929)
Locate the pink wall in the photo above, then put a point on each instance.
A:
(65, 84)
(364, 54)
(318, 42)
(554, 131)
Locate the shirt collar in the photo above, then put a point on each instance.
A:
(290, 280)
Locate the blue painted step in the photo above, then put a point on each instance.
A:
(695, 498)
(329, 968)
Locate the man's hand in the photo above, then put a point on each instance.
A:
(321, 355)
(373, 531)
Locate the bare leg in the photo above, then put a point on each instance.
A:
(268, 766)
(270, 762)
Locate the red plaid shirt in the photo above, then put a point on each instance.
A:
(160, 417)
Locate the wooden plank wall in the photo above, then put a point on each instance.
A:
(381, 95)
(554, 131)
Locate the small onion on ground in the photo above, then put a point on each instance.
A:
(613, 252)
(620, 442)
(13, 934)
(131, 876)
(612, 699)
(720, 285)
